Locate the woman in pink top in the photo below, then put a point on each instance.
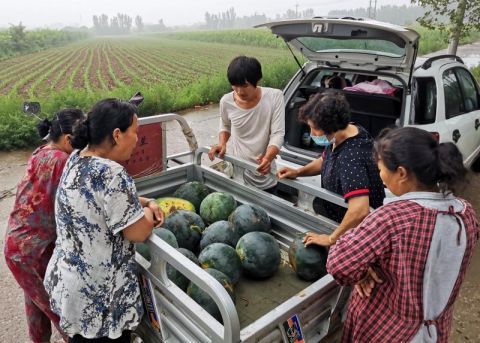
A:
(30, 236)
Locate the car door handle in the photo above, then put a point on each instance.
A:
(456, 135)
(477, 124)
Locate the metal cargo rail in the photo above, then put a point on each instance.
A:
(174, 316)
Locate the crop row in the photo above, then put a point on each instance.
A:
(103, 65)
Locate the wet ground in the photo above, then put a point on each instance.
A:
(470, 54)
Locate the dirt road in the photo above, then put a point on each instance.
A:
(204, 123)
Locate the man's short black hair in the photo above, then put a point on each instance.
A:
(328, 111)
(243, 69)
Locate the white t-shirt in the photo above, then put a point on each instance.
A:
(253, 130)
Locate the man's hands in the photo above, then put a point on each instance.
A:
(217, 150)
(287, 173)
(264, 164)
(318, 239)
(365, 287)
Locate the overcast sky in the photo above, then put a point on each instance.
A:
(41, 13)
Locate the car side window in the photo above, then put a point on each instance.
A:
(454, 104)
(424, 105)
(469, 90)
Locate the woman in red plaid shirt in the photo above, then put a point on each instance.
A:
(408, 258)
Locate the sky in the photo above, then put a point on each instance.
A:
(58, 13)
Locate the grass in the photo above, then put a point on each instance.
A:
(174, 71)
(17, 130)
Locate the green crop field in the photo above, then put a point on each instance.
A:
(172, 73)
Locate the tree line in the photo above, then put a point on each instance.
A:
(17, 40)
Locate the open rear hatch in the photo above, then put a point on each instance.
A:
(351, 43)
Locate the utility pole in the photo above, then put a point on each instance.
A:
(375, 10)
(369, 8)
(296, 10)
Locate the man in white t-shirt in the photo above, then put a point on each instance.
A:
(252, 120)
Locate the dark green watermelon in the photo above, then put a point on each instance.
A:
(187, 227)
(193, 191)
(166, 235)
(204, 300)
(143, 250)
(217, 206)
(249, 217)
(219, 232)
(178, 278)
(222, 257)
(259, 253)
(308, 262)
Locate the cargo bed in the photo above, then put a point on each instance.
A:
(263, 308)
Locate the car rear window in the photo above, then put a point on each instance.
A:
(383, 47)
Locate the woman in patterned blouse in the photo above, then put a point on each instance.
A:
(31, 233)
(408, 258)
(91, 277)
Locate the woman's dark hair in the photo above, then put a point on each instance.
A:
(336, 82)
(243, 69)
(418, 151)
(105, 116)
(328, 111)
(62, 123)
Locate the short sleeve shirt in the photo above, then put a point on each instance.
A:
(253, 130)
(91, 277)
(350, 171)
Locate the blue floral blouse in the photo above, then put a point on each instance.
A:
(91, 276)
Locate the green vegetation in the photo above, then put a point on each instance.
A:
(16, 40)
(172, 75)
(174, 71)
(434, 40)
(253, 37)
(476, 72)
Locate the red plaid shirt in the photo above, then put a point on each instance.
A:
(394, 240)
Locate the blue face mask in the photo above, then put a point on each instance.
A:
(320, 140)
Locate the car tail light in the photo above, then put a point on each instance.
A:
(436, 135)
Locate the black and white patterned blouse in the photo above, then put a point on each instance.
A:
(91, 277)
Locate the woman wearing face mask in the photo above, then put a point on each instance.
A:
(346, 165)
(30, 236)
(409, 257)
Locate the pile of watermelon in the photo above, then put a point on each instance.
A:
(226, 240)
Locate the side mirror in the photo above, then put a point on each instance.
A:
(136, 99)
(31, 107)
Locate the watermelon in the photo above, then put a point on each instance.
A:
(187, 227)
(249, 217)
(204, 300)
(193, 191)
(308, 262)
(219, 232)
(170, 204)
(217, 206)
(178, 278)
(222, 257)
(167, 236)
(144, 250)
(259, 253)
